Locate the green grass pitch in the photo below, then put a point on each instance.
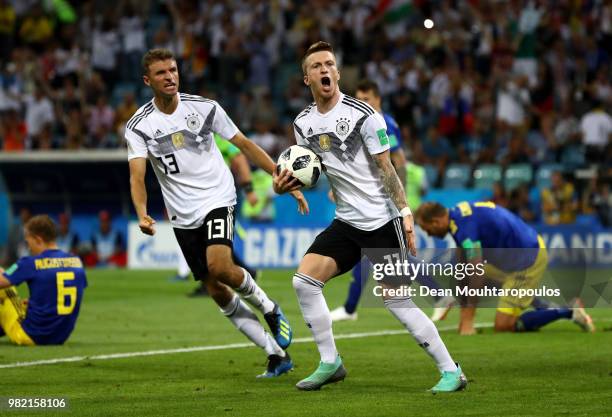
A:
(557, 371)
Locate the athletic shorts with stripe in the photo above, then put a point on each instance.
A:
(344, 243)
(217, 229)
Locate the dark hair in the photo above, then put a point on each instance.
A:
(316, 47)
(43, 227)
(368, 85)
(153, 55)
(429, 211)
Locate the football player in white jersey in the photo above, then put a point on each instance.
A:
(175, 132)
(371, 212)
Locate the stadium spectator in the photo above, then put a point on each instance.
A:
(13, 132)
(516, 151)
(93, 87)
(39, 117)
(478, 146)
(75, 129)
(559, 202)
(68, 57)
(106, 46)
(8, 23)
(596, 129)
(101, 123)
(600, 87)
(133, 45)
(456, 118)
(520, 204)
(499, 197)
(525, 62)
(163, 39)
(108, 244)
(566, 130)
(16, 245)
(68, 98)
(66, 240)
(597, 199)
(11, 88)
(542, 97)
(125, 110)
(512, 102)
(264, 137)
(435, 150)
(36, 28)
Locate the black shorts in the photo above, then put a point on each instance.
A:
(347, 244)
(217, 229)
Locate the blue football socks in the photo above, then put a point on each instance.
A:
(533, 320)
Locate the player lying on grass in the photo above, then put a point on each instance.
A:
(481, 229)
(56, 281)
(367, 91)
(175, 132)
(371, 212)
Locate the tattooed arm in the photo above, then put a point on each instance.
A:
(394, 188)
(390, 180)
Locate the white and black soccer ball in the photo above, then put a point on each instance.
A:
(304, 163)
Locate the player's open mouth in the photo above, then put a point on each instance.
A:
(169, 85)
(326, 81)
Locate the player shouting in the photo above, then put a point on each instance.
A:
(371, 212)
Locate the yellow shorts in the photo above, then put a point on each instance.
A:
(12, 314)
(529, 278)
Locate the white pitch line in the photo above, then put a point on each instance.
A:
(221, 347)
(207, 348)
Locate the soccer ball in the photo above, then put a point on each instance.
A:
(304, 163)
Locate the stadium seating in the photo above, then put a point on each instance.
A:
(449, 199)
(431, 172)
(517, 174)
(486, 175)
(119, 91)
(588, 221)
(457, 176)
(542, 179)
(573, 156)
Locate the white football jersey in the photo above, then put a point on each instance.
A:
(345, 138)
(193, 177)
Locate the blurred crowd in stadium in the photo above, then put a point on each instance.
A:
(494, 89)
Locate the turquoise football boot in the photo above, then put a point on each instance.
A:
(450, 381)
(326, 373)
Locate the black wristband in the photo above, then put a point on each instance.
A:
(247, 187)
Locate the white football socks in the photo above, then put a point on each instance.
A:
(423, 330)
(183, 269)
(255, 296)
(239, 313)
(316, 314)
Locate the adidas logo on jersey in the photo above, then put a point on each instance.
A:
(310, 131)
(158, 133)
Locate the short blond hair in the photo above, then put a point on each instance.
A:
(428, 211)
(43, 227)
(316, 47)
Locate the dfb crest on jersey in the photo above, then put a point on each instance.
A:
(193, 122)
(342, 128)
(325, 142)
(178, 140)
